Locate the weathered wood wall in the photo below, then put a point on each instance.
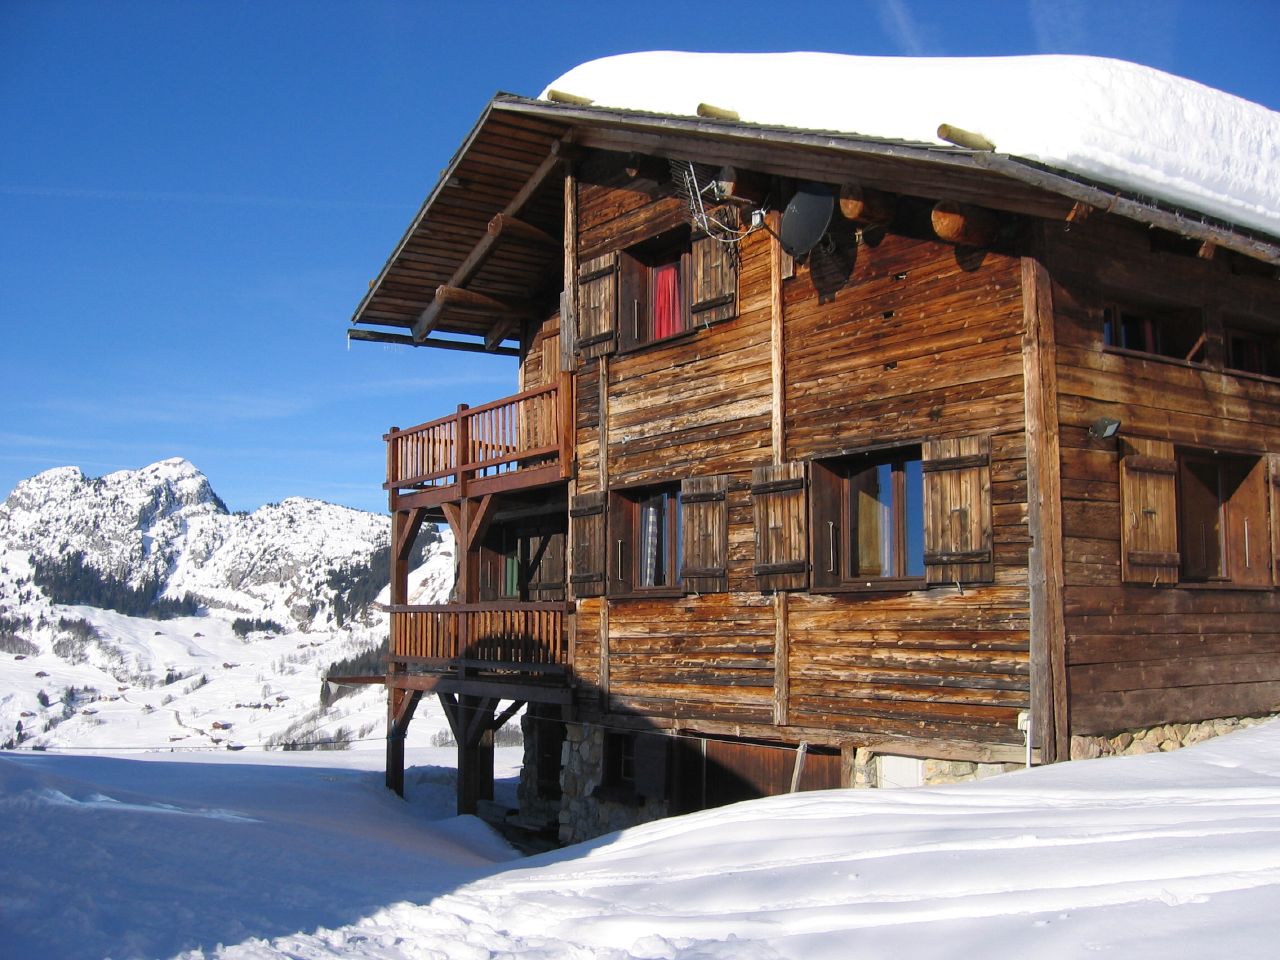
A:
(1140, 655)
(921, 342)
(913, 341)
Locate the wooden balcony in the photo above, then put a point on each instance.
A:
(519, 441)
(505, 640)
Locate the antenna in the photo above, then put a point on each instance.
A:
(698, 185)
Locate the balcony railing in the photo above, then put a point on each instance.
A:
(523, 432)
(500, 635)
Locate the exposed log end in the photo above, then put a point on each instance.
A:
(964, 224)
(717, 113)
(563, 96)
(735, 184)
(867, 206)
(964, 138)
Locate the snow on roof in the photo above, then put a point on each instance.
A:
(1128, 126)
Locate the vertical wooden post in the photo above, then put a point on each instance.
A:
(395, 738)
(474, 733)
(781, 661)
(1044, 516)
(777, 356)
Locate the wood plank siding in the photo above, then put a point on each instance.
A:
(911, 344)
(1145, 646)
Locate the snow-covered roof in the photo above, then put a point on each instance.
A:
(1128, 126)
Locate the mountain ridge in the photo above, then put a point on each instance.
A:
(142, 588)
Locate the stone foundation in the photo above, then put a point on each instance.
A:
(536, 806)
(1161, 739)
(583, 813)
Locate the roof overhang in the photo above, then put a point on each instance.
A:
(485, 248)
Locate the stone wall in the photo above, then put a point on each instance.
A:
(1162, 739)
(583, 813)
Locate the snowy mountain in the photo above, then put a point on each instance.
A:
(134, 605)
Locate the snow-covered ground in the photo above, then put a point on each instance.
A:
(257, 856)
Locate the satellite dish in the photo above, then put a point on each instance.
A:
(806, 218)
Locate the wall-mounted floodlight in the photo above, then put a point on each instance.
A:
(1104, 428)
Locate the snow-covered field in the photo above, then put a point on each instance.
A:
(257, 856)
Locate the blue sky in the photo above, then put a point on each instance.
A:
(194, 196)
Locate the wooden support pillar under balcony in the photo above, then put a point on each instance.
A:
(474, 720)
(401, 704)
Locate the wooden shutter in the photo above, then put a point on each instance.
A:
(826, 497)
(597, 305)
(634, 321)
(957, 510)
(1149, 513)
(713, 281)
(622, 547)
(587, 527)
(704, 534)
(1248, 533)
(781, 521)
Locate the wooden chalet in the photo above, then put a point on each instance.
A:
(992, 463)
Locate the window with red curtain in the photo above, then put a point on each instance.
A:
(668, 311)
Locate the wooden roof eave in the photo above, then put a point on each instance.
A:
(406, 294)
(445, 176)
(1050, 192)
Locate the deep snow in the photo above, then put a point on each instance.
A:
(307, 856)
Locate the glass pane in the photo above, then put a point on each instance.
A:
(871, 520)
(651, 541)
(914, 518)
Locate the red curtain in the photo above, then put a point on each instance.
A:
(668, 317)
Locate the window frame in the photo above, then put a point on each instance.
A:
(1159, 321)
(638, 268)
(833, 510)
(627, 540)
(1238, 480)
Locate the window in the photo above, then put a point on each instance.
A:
(645, 527)
(1252, 350)
(1194, 516)
(655, 291)
(652, 290)
(1222, 513)
(1164, 331)
(869, 513)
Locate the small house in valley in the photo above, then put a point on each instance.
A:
(839, 455)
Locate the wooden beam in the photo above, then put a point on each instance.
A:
(469, 301)
(1046, 568)
(474, 260)
(711, 111)
(499, 332)
(777, 355)
(563, 96)
(500, 720)
(781, 660)
(867, 206)
(479, 521)
(404, 340)
(964, 138)
(743, 185)
(355, 681)
(964, 224)
(506, 227)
